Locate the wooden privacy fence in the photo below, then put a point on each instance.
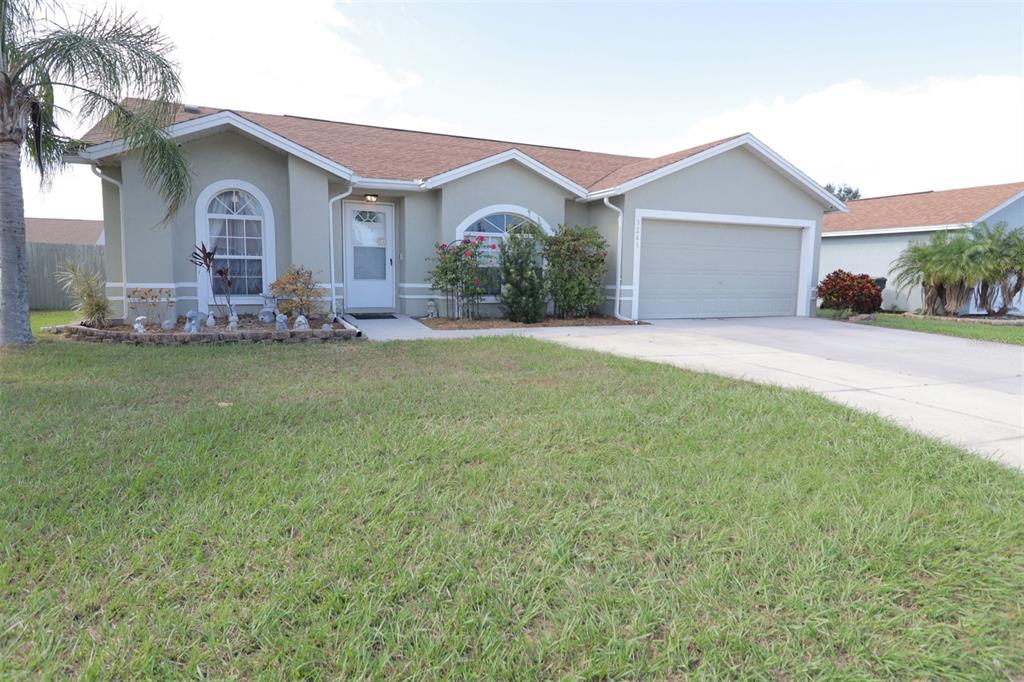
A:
(44, 293)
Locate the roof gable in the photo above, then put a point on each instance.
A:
(63, 231)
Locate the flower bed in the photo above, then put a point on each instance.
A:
(445, 324)
(250, 331)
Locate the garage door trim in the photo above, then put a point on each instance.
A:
(803, 290)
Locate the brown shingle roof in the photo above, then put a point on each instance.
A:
(947, 207)
(375, 152)
(62, 230)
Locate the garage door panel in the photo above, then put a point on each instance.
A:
(711, 270)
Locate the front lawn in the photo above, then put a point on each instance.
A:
(49, 318)
(485, 508)
(967, 330)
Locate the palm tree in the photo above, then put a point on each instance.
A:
(97, 61)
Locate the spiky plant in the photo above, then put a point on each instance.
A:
(88, 292)
(95, 61)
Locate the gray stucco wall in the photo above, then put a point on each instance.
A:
(1012, 215)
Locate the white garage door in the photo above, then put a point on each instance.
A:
(690, 269)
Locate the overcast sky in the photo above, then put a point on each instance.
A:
(890, 98)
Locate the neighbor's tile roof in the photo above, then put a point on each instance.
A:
(62, 230)
(375, 152)
(947, 207)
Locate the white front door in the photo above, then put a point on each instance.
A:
(369, 255)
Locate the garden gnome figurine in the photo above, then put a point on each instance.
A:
(140, 324)
(281, 324)
(192, 322)
(431, 309)
(301, 323)
(167, 325)
(211, 321)
(233, 322)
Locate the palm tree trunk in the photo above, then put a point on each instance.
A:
(14, 322)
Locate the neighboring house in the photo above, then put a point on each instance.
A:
(875, 231)
(64, 231)
(728, 228)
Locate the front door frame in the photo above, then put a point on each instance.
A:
(389, 209)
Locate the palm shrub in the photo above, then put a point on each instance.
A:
(983, 263)
(576, 269)
(523, 290)
(88, 292)
(99, 58)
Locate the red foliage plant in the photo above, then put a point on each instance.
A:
(841, 290)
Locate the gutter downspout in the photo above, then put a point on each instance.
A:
(330, 223)
(618, 263)
(121, 229)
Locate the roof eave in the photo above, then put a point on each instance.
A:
(225, 119)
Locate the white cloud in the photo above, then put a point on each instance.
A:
(939, 134)
(250, 55)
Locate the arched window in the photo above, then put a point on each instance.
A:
(235, 219)
(495, 224)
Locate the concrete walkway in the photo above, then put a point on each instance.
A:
(967, 392)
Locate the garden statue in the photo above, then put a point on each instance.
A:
(301, 323)
(233, 322)
(140, 324)
(431, 309)
(211, 321)
(266, 315)
(192, 322)
(326, 327)
(167, 325)
(282, 322)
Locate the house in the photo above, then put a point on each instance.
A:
(727, 228)
(64, 231)
(875, 231)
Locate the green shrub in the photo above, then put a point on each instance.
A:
(88, 292)
(576, 269)
(523, 294)
(458, 274)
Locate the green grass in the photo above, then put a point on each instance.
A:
(46, 318)
(487, 508)
(967, 330)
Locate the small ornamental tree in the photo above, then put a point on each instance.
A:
(297, 293)
(842, 290)
(522, 276)
(576, 269)
(457, 273)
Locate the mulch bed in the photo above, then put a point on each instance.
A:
(444, 324)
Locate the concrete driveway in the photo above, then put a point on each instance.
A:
(968, 392)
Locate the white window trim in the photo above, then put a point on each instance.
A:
(533, 216)
(203, 235)
(521, 211)
(807, 242)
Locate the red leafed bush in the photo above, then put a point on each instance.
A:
(842, 290)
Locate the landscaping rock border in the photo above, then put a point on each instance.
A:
(969, 320)
(78, 332)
